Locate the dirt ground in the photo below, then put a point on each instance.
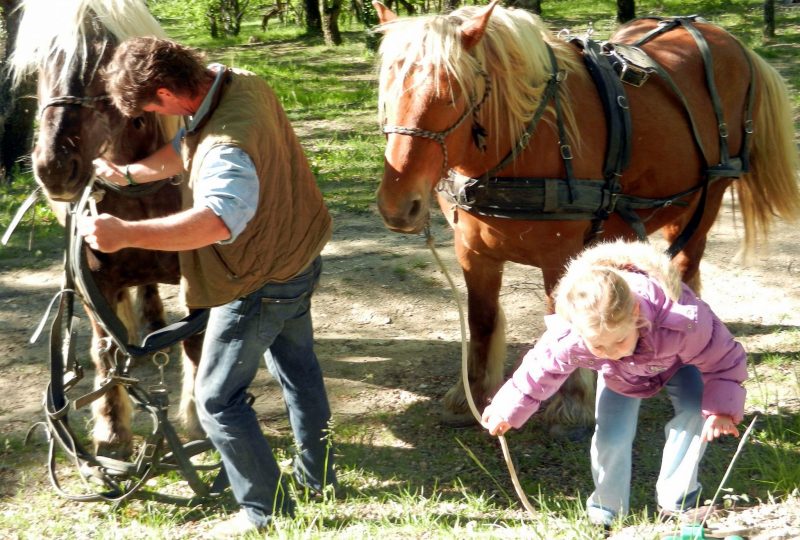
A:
(384, 305)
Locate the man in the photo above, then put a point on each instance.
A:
(253, 226)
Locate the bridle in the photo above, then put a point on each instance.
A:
(64, 101)
(478, 131)
(90, 102)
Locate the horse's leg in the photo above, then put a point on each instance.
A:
(570, 412)
(188, 410)
(151, 308)
(688, 259)
(111, 412)
(487, 344)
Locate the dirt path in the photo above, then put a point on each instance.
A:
(387, 327)
(383, 305)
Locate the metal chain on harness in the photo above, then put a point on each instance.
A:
(439, 136)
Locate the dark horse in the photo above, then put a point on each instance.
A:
(67, 44)
(489, 99)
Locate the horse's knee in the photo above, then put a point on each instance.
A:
(573, 405)
(112, 434)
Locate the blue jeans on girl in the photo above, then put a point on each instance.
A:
(274, 324)
(616, 417)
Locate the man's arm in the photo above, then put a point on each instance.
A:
(190, 229)
(163, 163)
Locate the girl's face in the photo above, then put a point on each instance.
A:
(612, 344)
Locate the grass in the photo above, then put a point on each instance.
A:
(400, 477)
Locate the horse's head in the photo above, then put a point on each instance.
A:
(67, 44)
(430, 92)
(76, 121)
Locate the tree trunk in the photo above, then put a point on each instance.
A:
(626, 10)
(449, 5)
(16, 115)
(313, 17)
(330, 21)
(534, 6)
(769, 19)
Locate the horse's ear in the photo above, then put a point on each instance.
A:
(385, 14)
(472, 30)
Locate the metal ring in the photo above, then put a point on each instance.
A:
(158, 362)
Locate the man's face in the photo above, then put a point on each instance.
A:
(168, 103)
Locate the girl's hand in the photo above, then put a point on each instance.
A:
(495, 423)
(718, 425)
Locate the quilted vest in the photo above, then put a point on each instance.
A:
(291, 224)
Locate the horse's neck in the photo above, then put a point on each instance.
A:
(133, 143)
(542, 156)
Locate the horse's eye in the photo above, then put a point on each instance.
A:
(138, 122)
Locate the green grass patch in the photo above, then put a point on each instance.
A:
(39, 238)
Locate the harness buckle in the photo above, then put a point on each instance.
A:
(566, 151)
(723, 130)
(632, 74)
(748, 127)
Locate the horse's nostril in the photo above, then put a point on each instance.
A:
(413, 212)
(74, 172)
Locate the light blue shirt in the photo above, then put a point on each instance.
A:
(227, 182)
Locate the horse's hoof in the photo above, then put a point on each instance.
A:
(572, 433)
(121, 452)
(457, 419)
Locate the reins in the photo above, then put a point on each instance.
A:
(429, 241)
(63, 101)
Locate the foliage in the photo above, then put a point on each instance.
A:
(39, 237)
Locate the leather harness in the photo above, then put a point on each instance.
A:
(610, 65)
(162, 450)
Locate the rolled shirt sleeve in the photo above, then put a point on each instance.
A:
(228, 185)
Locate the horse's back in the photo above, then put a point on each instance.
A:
(660, 119)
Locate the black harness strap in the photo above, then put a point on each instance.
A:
(615, 105)
(618, 134)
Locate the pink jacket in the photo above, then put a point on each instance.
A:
(681, 333)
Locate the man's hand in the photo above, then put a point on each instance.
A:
(104, 233)
(109, 172)
(495, 423)
(718, 425)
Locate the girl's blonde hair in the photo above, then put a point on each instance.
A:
(593, 293)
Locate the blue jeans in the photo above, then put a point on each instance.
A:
(616, 417)
(273, 323)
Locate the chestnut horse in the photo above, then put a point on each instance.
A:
(489, 89)
(67, 43)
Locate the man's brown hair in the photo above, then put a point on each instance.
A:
(142, 65)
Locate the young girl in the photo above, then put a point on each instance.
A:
(622, 311)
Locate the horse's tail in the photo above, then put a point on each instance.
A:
(770, 189)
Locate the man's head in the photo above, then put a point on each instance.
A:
(142, 66)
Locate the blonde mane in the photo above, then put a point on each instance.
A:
(52, 28)
(513, 52)
(49, 28)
